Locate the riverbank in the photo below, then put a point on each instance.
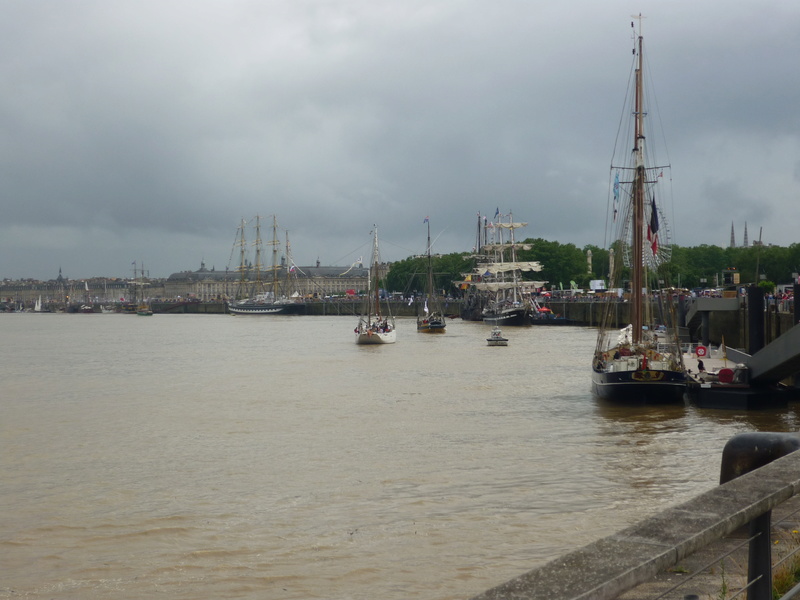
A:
(727, 326)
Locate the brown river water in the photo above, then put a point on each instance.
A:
(210, 456)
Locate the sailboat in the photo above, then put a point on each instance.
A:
(264, 298)
(431, 319)
(640, 362)
(144, 309)
(141, 308)
(373, 326)
(509, 294)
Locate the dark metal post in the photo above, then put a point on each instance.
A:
(796, 294)
(744, 453)
(705, 327)
(759, 559)
(755, 318)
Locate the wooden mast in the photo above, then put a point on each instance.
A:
(240, 290)
(637, 267)
(430, 263)
(257, 244)
(375, 274)
(275, 249)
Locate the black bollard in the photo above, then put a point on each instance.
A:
(746, 452)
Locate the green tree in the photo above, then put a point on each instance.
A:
(689, 267)
(767, 286)
(561, 263)
(408, 275)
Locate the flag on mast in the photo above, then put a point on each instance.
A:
(652, 228)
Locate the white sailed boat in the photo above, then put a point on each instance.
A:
(375, 327)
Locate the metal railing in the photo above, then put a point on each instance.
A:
(760, 471)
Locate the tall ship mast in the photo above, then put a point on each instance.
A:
(640, 362)
(374, 327)
(431, 318)
(508, 293)
(274, 300)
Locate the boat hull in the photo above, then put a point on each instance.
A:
(640, 387)
(372, 338)
(266, 309)
(512, 318)
(434, 325)
(431, 329)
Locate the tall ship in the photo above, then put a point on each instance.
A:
(263, 292)
(640, 362)
(473, 300)
(497, 284)
(376, 324)
(430, 317)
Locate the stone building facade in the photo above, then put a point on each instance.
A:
(317, 281)
(203, 284)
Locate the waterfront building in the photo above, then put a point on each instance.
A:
(206, 285)
(310, 282)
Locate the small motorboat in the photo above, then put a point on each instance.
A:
(496, 338)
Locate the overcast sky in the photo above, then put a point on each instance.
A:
(146, 130)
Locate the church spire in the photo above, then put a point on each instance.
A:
(733, 237)
(746, 243)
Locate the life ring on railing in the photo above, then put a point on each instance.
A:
(701, 351)
(726, 375)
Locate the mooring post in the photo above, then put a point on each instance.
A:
(759, 558)
(796, 303)
(744, 453)
(755, 318)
